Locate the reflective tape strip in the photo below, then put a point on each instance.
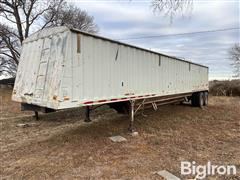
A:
(118, 99)
(102, 100)
(88, 102)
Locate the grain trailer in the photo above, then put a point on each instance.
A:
(63, 68)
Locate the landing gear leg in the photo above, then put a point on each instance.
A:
(87, 114)
(131, 128)
(36, 115)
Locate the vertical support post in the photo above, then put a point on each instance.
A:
(36, 115)
(87, 114)
(131, 129)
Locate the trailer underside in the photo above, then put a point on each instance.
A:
(133, 106)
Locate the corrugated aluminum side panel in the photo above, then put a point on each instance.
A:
(105, 70)
(63, 69)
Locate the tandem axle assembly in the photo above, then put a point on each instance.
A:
(132, 107)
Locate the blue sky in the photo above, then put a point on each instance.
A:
(120, 19)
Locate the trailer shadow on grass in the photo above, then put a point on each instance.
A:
(108, 123)
(109, 117)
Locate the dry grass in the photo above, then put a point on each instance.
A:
(225, 88)
(61, 146)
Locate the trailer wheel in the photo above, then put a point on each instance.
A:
(194, 101)
(197, 99)
(201, 99)
(205, 103)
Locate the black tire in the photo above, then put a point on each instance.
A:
(197, 99)
(205, 103)
(194, 99)
(200, 99)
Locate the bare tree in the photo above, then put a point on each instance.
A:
(9, 50)
(7, 67)
(19, 18)
(235, 57)
(22, 14)
(171, 7)
(72, 17)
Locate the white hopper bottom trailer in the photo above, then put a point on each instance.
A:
(62, 68)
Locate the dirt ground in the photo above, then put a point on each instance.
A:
(61, 146)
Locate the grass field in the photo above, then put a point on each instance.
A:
(61, 146)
